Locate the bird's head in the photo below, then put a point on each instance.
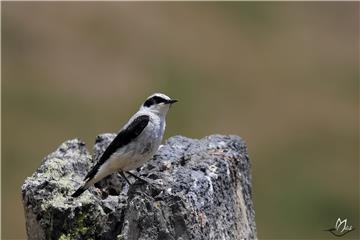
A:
(158, 103)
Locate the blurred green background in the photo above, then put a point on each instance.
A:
(284, 76)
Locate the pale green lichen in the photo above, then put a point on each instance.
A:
(65, 182)
(65, 237)
(120, 237)
(79, 230)
(53, 168)
(58, 201)
(80, 225)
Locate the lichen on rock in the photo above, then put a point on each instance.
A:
(196, 189)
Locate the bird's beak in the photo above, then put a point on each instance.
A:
(172, 101)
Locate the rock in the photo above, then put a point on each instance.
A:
(197, 189)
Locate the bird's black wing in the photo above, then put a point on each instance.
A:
(124, 137)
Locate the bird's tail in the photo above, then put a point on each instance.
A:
(86, 184)
(79, 191)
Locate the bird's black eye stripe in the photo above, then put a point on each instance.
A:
(154, 100)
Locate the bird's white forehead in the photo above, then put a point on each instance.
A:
(160, 95)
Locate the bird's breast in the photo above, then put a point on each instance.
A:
(145, 146)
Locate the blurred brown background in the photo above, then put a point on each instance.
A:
(284, 76)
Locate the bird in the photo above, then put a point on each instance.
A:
(136, 143)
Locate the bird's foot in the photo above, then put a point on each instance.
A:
(123, 175)
(137, 177)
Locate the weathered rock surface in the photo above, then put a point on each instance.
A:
(198, 189)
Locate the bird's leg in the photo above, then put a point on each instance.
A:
(123, 175)
(133, 175)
